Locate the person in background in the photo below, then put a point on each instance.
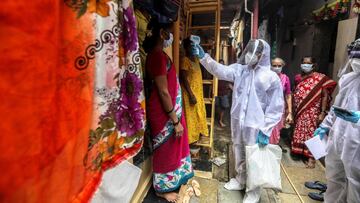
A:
(257, 105)
(342, 126)
(223, 99)
(277, 66)
(191, 82)
(171, 157)
(312, 98)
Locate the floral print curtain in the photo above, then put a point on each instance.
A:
(72, 96)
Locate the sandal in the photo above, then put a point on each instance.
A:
(317, 185)
(196, 186)
(317, 196)
(188, 194)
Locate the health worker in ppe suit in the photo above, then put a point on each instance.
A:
(342, 126)
(257, 104)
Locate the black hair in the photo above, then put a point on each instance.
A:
(186, 43)
(221, 60)
(313, 60)
(154, 26)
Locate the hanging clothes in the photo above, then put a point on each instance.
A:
(72, 97)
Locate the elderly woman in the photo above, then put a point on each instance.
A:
(277, 66)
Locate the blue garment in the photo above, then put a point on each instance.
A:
(321, 131)
(262, 139)
(351, 116)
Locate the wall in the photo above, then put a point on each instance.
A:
(311, 40)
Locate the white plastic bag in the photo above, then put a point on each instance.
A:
(263, 167)
(118, 184)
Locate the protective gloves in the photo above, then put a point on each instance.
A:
(262, 139)
(321, 131)
(201, 52)
(351, 116)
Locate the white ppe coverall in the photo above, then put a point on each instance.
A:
(343, 148)
(258, 104)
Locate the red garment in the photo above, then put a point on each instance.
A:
(167, 157)
(223, 88)
(307, 100)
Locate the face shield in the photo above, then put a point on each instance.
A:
(252, 53)
(353, 61)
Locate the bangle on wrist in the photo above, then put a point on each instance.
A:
(169, 112)
(176, 123)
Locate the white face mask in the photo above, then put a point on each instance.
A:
(277, 70)
(355, 64)
(250, 59)
(169, 41)
(307, 68)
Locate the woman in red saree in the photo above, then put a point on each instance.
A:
(312, 97)
(171, 159)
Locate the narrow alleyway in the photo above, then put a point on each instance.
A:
(212, 184)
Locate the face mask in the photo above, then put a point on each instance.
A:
(355, 64)
(169, 41)
(277, 70)
(250, 59)
(307, 68)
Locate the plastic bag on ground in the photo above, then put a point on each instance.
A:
(263, 167)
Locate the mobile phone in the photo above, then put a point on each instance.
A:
(343, 111)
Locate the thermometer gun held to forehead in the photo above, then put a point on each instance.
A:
(195, 39)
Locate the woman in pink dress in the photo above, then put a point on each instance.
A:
(277, 67)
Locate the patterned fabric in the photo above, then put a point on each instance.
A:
(167, 182)
(308, 92)
(71, 90)
(195, 114)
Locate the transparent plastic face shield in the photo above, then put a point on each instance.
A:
(353, 51)
(251, 53)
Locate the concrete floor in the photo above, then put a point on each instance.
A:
(212, 185)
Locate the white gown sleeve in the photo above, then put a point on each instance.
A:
(275, 108)
(220, 71)
(329, 120)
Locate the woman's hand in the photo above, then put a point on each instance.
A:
(321, 117)
(179, 130)
(289, 119)
(192, 99)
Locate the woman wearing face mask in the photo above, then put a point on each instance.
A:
(171, 157)
(191, 81)
(277, 65)
(312, 97)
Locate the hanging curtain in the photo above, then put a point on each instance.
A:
(72, 103)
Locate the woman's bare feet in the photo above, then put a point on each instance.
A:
(169, 196)
(310, 163)
(222, 124)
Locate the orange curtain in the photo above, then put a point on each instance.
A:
(48, 53)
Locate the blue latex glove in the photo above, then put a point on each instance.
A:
(262, 139)
(321, 131)
(201, 52)
(351, 116)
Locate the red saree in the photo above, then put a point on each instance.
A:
(171, 159)
(307, 100)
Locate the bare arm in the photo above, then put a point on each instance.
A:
(289, 117)
(185, 82)
(324, 103)
(162, 85)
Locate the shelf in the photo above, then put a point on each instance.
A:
(208, 100)
(202, 27)
(208, 121)
(204, 142)
(208, 82)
